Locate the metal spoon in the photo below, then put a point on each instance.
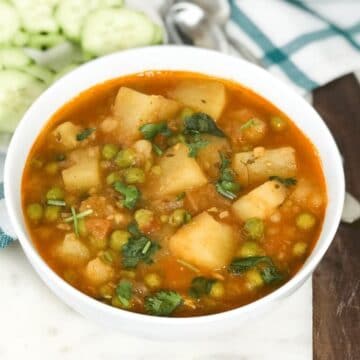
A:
(200, 23)
(188, 23)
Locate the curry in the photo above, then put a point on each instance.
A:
(173, 194)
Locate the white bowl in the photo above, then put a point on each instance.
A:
(171, 58)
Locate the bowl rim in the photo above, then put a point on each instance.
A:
(53, 280)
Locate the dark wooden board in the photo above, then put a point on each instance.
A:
(336, 282)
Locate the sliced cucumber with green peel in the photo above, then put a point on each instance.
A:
(37, 15)
(45, 41)
(21, 38)
(158, 35)
(40, 73)
(71, 14)
(109, 30)
(9, 22)
(13, 58)
(17, 92)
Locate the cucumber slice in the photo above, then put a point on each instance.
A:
(45, 41)
(40, 72)
(37, 15)
(20, 39)
(17, 91)
(9, 22)
(13, 58)
(158, 34)
(71, 14)
(109, 30)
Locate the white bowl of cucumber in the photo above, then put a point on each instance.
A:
(173, 59)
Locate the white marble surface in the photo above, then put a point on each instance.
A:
(37, 325)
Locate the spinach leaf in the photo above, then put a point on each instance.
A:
(268, 270)
(130, 192)
(200, 286)
(124, 292)
(226, 185)
(195, 144)
(84, 134)
(285, 181)
(149, 131)
(201, 123)
(163, 303)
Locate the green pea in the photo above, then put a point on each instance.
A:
(217, 290)
(52, 213)
(152, 280)
(305, 221)
(35, 212)
(109, 151)
(254, 279)
(172, 140)
(278, 124)
(118, 239)
(299, 249)
(52, 168)
(55, 193)
(179, 217)
(254, 228)
(134, 175)
(112, 177)
(125, 158)
(144, 218)
(249, 248)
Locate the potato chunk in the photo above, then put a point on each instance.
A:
(97, 272)
(260, 202)
(72, 251)
(208, 157)
(252, 167)
(204, 242)
(207, 96)
(179, 172)
(85, 173)
(66, 133)
(133, 109)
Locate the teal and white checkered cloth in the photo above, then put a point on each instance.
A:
(306, 43)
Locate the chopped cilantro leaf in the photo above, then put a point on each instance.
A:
(84, 134)
(200, 286)
(163, 303)
(124, 292)
(226, 185)
(130, 192)
(201, 123)
(149, 131)
(285, 181)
